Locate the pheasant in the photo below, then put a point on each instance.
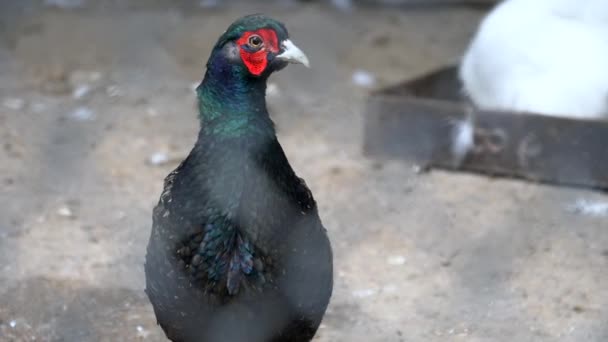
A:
(237, 250)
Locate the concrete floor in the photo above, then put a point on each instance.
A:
(89, 95)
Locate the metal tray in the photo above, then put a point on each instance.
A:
(420, 120)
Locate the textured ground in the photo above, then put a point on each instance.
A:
(88, 96)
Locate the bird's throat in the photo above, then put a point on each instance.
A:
(229, 98)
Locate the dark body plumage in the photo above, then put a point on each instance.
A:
(237, 250)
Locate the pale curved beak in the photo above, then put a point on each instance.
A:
(293, 54)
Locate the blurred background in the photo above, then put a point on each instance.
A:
(97, 107)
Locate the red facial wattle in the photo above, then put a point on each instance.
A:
(257, 61)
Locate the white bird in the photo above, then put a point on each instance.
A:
(544, 56)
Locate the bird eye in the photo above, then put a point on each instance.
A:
(255, 41)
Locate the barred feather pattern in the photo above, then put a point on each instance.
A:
(221, 257)
(225, 251)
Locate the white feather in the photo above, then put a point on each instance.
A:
(543, 56)
(462, 139)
